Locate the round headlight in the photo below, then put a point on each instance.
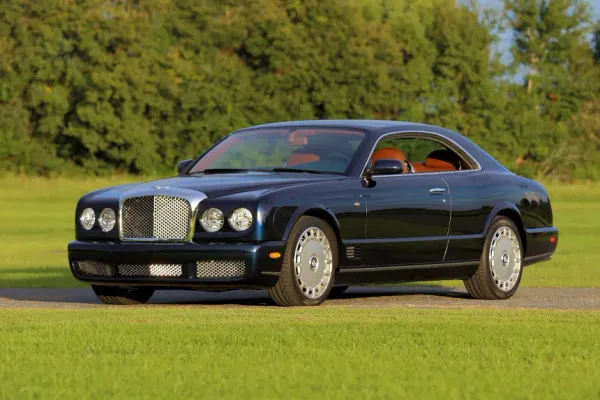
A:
(107, 219)
(212, 220)
(240, 219)
(87, 219)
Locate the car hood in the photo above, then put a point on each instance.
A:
(219, 184)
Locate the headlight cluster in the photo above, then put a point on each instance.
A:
(106, 220)
(87, 219)
(213, 220)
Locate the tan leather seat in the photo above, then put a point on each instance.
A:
(437, 161)
(389, 153)
(301, 158)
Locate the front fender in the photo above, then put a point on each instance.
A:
(288, 219)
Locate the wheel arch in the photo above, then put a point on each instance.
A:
(321, 212)
(511, 212)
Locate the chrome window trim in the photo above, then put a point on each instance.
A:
(420, 133)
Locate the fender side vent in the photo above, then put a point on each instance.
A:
(353, 253)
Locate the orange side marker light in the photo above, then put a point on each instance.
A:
(275, 255)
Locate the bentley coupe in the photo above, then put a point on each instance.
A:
(306, 209)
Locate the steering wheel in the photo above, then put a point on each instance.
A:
(409, 167)
(339, 156)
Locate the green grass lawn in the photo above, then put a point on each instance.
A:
(37, 217)
(330, 353)
(250, 352)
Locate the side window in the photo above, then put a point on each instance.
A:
(419, 155)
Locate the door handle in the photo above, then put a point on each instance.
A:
(437, 191)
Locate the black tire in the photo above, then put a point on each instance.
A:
(122, 296)
(287, 291)
(336, 292)
(482, 284)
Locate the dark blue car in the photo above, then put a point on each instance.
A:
(307, 208)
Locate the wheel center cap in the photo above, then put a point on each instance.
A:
(314, 263)
(505, 259)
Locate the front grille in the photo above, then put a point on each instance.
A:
(155, 217)
(93, 268)
(220, 269)
(150, 269)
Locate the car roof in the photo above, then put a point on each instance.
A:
(373, 126)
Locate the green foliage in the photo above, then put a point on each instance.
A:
(128, 86)
(551, 44)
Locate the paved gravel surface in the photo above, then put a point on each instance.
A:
(357, 297)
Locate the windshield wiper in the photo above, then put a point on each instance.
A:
(223, 170)
(209, 171)
(308, 171)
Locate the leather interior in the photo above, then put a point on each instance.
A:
(419, 167)
(389, 153)
(301, 158)
(438, 160)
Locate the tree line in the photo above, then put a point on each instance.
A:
(124, 86)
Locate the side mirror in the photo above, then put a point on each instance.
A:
(386, 166)
(183, 165)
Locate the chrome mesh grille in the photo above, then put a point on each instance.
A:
(150, 269)
(155, 217)
(93, 268)
(220, 269)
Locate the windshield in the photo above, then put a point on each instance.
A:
(324, 150)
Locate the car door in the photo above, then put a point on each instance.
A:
(408, 217)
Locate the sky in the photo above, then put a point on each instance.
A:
(498, 3)
(505, 39)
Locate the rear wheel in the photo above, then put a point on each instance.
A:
(308, 269)
(501, 267)
(122, 296)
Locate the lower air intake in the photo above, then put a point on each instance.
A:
(150, 269)
(93, 268)
(213, 269)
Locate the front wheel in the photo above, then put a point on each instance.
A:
(501, 267)
(308, 268)
(122, 296)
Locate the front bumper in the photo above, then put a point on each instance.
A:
(260, 270)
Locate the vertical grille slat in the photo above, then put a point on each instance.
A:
(155, 217)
